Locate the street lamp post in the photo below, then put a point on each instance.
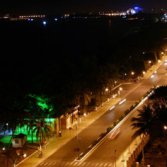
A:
(165, 129)
(119, 90)
(77, 149)
(153, 78)
(107, 92)
(132, 73)
(23, 155)
(115, 164)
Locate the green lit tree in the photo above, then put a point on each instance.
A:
(42, 130)
(38, 109)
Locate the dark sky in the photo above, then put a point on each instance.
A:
(61, 6)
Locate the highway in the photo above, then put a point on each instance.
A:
(110, 150)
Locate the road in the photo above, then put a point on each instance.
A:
(105, 154)
(111, 150)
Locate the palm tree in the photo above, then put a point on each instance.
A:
(84, 100)
(36, 118)
(42, 130)
(144, 122)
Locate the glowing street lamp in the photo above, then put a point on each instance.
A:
(165, 127)
(149, 61)
(106, 89)
(153, 79)
(162, 53)
(19, 155)
(132, 73)
(115, 82)
(24, 155)
(84, 114)
(119, 90)
(159, 61)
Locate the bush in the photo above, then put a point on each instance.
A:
(109, 129)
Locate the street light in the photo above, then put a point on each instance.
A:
(107, 92)
(149, 61)
(159, 61)
(165, 127)
(24, 155)
(154, 78)
(115, 82)
(84, 114)
(106, 89)
(119, 90)
(137, 164)
(132, 73)
(162, 53)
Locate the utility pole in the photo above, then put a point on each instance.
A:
(115, 158)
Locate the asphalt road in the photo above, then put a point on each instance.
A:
(105, 154)
(110, 150)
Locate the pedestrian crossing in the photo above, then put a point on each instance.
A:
(75, 163)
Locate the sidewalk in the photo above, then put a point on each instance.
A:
(57, 142)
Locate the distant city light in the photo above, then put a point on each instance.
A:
(30, 19)
(138, 9)
(164, 18)
(56, 19)
(134, 10)
(44, 23)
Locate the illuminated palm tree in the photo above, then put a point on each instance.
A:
(42, 130)
(37, 111)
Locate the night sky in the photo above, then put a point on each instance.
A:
(62, 6)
